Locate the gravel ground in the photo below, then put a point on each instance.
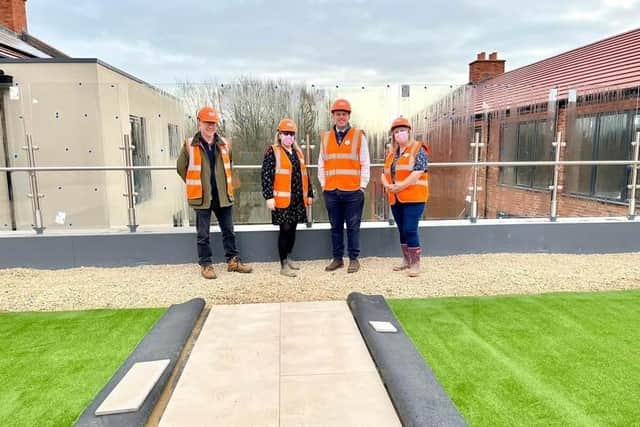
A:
(162, 285)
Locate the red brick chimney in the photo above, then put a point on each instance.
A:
(484, 69)
(13, 15)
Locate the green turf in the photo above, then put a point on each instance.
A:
(53, 364)
(555, 359)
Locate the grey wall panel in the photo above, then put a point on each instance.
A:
(37, 251)
(133, 249)
(175, 247)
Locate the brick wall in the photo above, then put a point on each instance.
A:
(533, 202)
(484, 69)
(13, 15)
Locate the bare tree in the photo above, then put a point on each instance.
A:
(195, 96)
(254, 108)
(251, 109)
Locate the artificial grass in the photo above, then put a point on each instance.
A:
(53, 364)
(555, 359)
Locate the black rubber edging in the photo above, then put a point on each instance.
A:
(165, 341)
(415, 392)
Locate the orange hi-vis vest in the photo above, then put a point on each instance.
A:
(284, 170)
(416, 193)
(194, 170)
(342, 161)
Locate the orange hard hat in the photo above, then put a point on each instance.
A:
(341, 105)
(287, 125)
(208, 114)
(400, 121)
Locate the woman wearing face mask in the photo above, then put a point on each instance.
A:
(407, 183)
(287, 188)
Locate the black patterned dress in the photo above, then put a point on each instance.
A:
(296, 212)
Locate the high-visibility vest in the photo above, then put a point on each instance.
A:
(283, 173)
(194, 170)
(342, 161)
(416, 193)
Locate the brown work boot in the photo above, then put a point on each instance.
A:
(354, 266)
(236, 265)
(405, 258)
(335, 264)
(208, 272)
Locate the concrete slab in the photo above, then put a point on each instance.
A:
(386, 327)
(234, 383)
(133, 388)
(336, 400)
(243, 321)
(280, 365)
(226, 403)
(305, 323)
(341, 306)
(324, 354)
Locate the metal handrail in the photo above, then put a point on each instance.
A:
(128, 168)
(431, 164)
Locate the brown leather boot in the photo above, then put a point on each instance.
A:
(405, 258)
(414, 262)
(354, 266)
(335, 264)
(236, 265)
(208, 272)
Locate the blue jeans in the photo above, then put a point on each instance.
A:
(203, 225)
(407, 216)
(345, 206)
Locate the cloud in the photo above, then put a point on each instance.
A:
(324, 41)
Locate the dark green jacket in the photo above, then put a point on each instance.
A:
(221, 180)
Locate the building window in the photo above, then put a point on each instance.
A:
(140, 155)
(174, 141)
(603, 136)
(530, 141)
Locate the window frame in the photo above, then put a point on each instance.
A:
(533, 149)
(142, 179)
(595, 144)
(174, 143)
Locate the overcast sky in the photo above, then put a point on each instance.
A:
(322, 41)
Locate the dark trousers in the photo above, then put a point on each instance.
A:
(345, 206)
(407, 216)
(203, 224)
(286, 240)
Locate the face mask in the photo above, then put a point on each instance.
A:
(402, 136)
(287, 140)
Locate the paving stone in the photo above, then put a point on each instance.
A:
(134, 388)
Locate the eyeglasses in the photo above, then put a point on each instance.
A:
(288, 133)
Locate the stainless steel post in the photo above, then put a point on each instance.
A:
(633, 186)
(130, 194)
(476, 144)
(307, 147)
(386, 211)
(558, 144)
(34, 195)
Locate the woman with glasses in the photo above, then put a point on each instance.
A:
(406, 180)
(287, 188)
